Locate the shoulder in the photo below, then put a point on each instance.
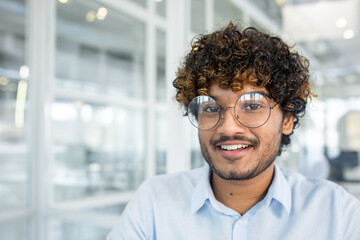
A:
(319, 189)
(299, 182)
(171, 183)
(189, 177)
(324, 204)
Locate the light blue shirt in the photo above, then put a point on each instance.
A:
(183, 206)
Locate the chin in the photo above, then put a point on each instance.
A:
(232, 175)
(240, 174)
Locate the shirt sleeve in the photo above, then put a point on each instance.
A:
(351, 216)
(136, 222)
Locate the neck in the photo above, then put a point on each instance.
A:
(241, 195)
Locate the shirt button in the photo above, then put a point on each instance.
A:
(241, 220)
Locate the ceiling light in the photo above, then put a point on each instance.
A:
(63, 1)
(4, 81)
(280, 2)
(101, 13)
(79, 103)
(90, 16)
(351, 78)
(341, 22)
(24, 72)
(349, 34)
(94, 167)
(158, 0)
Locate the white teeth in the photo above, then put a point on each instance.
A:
(233, 147)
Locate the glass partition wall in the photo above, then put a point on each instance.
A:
(14, 144)
(87, 109)
(106, 98)
(75, 126)
(99, 99)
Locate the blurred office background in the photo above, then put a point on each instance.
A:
(87, 110)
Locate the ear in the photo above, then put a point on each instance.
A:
(288, 124)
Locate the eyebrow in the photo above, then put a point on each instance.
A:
(216, 98)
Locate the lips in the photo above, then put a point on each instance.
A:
(233, 147)
(234, 140)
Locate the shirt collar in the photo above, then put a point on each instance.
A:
(278, 190)
(202, 190)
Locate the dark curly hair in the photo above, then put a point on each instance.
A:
(232, 57)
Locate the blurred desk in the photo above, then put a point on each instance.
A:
(346, 160)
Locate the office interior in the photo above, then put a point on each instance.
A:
(87, 109)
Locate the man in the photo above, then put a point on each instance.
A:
(245, 91)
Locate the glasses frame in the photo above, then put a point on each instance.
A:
(236, 116)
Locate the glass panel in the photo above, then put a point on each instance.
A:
(342, 142)
(161, 145)
(271, 8)
(113, 209)
(160, 66)
(61, 229)
(99, 49)
(161, 7)
(14, 230)
(254, 23)
(198, 16)
(161, 117)
(13, 91)
(140, 2)
(96, 149)
(329, 145)
(226, 11)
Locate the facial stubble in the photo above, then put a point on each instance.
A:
(261, 162)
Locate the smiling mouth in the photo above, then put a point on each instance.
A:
(233, 147)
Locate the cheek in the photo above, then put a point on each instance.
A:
(276, 124)
(270, 132)
(204, 136)
(201, 139)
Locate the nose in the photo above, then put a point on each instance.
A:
(228, 124)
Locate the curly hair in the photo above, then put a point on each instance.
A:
(232, 57)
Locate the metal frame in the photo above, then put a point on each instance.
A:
(150, 72)
(178, 33)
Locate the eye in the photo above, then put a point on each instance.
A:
(210, 109)
(252, 106)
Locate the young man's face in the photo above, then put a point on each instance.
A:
(263, 142)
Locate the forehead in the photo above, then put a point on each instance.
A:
(222, 94)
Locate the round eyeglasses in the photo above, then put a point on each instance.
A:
(252, 110)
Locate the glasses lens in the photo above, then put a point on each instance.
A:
(204, 112)
(252, 109)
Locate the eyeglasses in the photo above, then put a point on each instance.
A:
(251, 109)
